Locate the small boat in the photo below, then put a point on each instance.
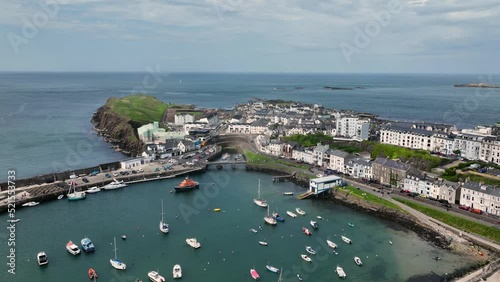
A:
(225, 157)
(278, 217)
(298, 277)
(254, 274)
(260, 202)
(42, 259)
(291, 214)
(260, 228)
(272, 269)
(123, 236)
(72, 248)
(163, 224)
(340, 272)
(288, 193)
(92, 274)
(115, 184)
(331, 244)
(306, 231)
(319, 217)
(306, 258)
(345, 239)
(390, 242)
(310, 250)
(314, 224)
(217, 210)
(269, 219)
(193, 243)
(87, 245)
(177, 271)
(263, 243)
(73, 195)
(31, 204)
(437, 258)
(253, 230)
(186, 185)
(60, 197)
(350, 224)
(14, 220)
(357, 260)
(155, 276)
(94, 189)
(116, 263)
(299, 211)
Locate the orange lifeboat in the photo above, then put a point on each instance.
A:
(187, 184)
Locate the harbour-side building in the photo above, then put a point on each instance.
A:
(479, 196)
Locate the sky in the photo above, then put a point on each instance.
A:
(344, 36)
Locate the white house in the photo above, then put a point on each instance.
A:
(240, 128)
(211, 119)
(353, 127)
(305, 155)
(359, 168)
(479, 196)
(447, 190)
(337, 160)
(406, 137)
(320, 155)
(469, 145)
(183, 118)
(490, 150)
(132, 163)
(260, 126)
(442, 143)
(275, 148)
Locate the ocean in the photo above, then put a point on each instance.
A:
(45, 117)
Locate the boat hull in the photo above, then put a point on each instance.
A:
(186, 188)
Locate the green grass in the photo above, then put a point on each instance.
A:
(254, 158)
(140, 109)
(415, 156)
(370, 197)
(309, 139)
(455, 221)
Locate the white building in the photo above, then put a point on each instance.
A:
(320, 155)
(353, 127)
(406, 137)
(183, 118)
(274, 148)
(260, 126)
(447, 190)
(479, 196)
(239, 128)
(305, 155)
(442, 143)
(490, 150)
(132, 163)
(337, 160)
(469, 145)
(211, 119)
(359, 168)
(152, 132)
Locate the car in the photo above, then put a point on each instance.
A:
(85, 180)
(463, 207)
(140, 170)
(115, 174)
(107, 175)
(122, 172)
(134, 171)
(446, 205)
(422, 196)
(412, 194)
(404, 191)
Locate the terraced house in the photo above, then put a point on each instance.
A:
(479, 196)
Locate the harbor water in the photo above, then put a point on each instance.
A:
(229, 250)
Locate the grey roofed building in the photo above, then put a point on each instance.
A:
(480, 187)
(338, 153)
(396, 127)
(260, 122)
(391, 172)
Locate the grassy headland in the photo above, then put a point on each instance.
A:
(139, 109)
(455, 221)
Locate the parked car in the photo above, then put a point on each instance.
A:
(465, 208)
(107, 175)
(446, 205)
(85, 180)
(476, 211)
(404, 191)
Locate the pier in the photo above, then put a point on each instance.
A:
(279, 178)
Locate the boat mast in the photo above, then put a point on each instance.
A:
(162, 213)
(115, 248)
(259, 190)
(281, 271)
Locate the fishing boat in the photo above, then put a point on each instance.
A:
(306, 258)
(60, 197)
(269, 219)
(155, 276)
(299, 211)
(42, 259)
(260, 202)
(254, 274)
(340, 272)
(93, 190)
(358, 261)
(187, 184)
(92, 274)
(115, 184)
(291, 214)
(72, 248)
(74, 195)
(272, 268)
(331, 244)
(217, 210)
(314, 224)
(193, 243)
(177, 271)
(163, 225)
(116, 263)
(288, 193)
(306, 231)
(310, 250)
(263, 243)
(31, 204)
(345, 239)
(278, 217)
(253, 230)
(87, 245)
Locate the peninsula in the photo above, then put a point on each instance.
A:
(477, 85)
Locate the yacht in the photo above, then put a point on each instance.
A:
(115, 184)
(331, 244)
(299, 211)
(74, 195)
(193, 243)
(41, 258)
(310, 250)
(87, 245)
(345, 239)
(306, 258)
(31, 204)
(269, 219)
(314, 224)
(94, 189)
(291, 214)
(272, 268)
(155, 276)
(340, 272)
(116, 263)
(72, 248)
(260, 202)
(163, 224)
(177, 271)
(357, 260)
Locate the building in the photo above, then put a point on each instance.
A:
(239, 128)
(447, 190)
(359, 168)
(322, 159)
(391, 172)
(406, 137)
(131, 163)
(260, 126)
(490, 150)
(353, 127)
(275, 148)
(288, 148)
(479, 196)
(322, 184)
(302, 154)
(443, 143)
(183, 118)
(153, 133)
(469, 145)
(211, 119)
(338, 160)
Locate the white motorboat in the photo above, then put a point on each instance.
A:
(13, 220)
(314, 224)
(390, 242)
(331, 244)
(310, 250)
(41, 258)
(358, 261)
(319, 217)
(306, 258)
(269, 219)
(177, 271)
(116, 263)
(60, 197)
(193, 243)
(291, 214)
(163, 224)
(345, 239)
(123, 236)
(31, 204)
(340, 272)
(74, 195)
(263, 243)
(115, 184)
(299, 211)
(94, 189)
(288, 193)
(72, 248)
(253, 230)
(155, 276)
(260, 202)
(272, 268)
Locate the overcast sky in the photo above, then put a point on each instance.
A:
(389, 36)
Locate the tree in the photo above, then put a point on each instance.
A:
(456, 152)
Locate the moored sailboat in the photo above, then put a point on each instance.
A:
(73, 195)
(116, 263)
(269, 219)
(291, 214)
(331, 244)
(163, 225)
(258, 201)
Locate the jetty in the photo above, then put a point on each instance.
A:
(279, 178)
